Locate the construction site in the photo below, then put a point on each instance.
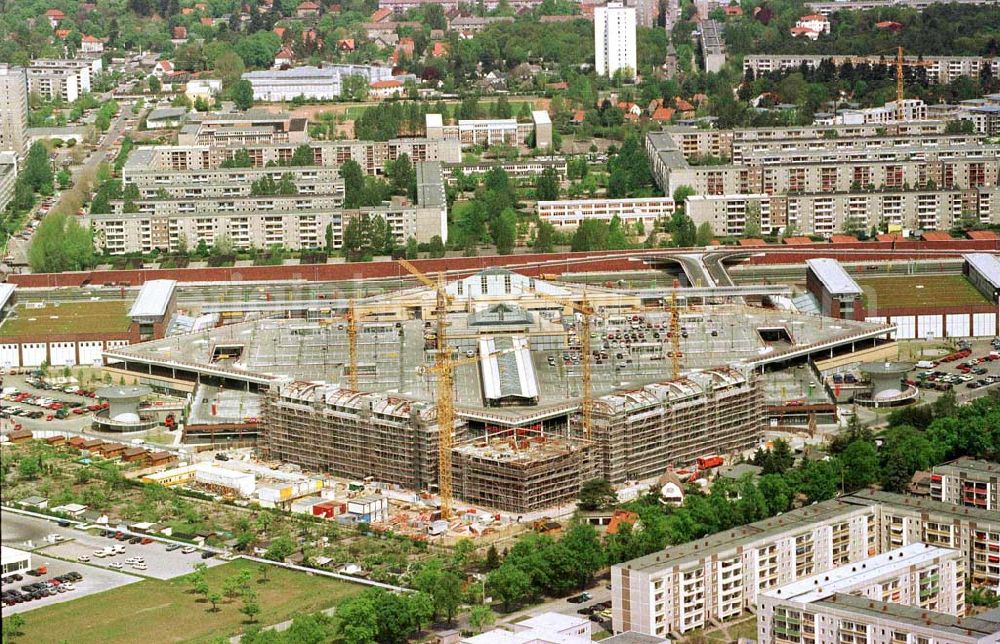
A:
(500, 390)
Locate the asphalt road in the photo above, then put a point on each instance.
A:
(18, 248)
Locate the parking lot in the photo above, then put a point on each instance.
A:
(160, 563)
(17, 531)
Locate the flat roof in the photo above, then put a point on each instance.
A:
(982, 626)
(918, 504)
(552, 622)
(6, 293)
(986, 265)
(30, 322)
(920, 292)
(860, 574)
(433, 120)
(166, 113)
(970, 466)
(800, 518)
(833, 276)
(8, 554)
(540, 117)
(153, 299)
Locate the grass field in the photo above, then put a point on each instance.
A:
(74, 317)
(919, 291)
(164, 611)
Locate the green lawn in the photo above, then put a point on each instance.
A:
(920, 291)
(164, 611)
(73, 317)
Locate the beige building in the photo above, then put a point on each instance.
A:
(826, 214)
(13, 110)
(242, 129)
(370, 155)
(294, 222)
(803, 180)
(8, 177)
(844, 617)
(967, 482)
(487, 132)
(940, 69)
(920, 576)
(686, 587)
(570, 213)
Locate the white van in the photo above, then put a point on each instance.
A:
(925, 364)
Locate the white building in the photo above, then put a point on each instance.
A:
(917, 575)
(14, 561)
(570, 213)
(614, 39)
(206, 89)
(544, 628)
(811, 26)
(13, 110)
(321, 83)
(91, 45)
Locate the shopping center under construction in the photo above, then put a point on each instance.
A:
(554, 383)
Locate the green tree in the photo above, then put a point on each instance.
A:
(751, 226)
(354, 87)
(436, 247)
(481, 616)
(61, 244)
(354, 183)
(303, 156)
(65, 178)
(705, 234)
(506, 232)
(13, 627)
(251, 605)
(214, 598)
(412, 248)
(402, 176)
(584, 545)
(443, 586)
(280, 548)
(242, 94)
(544, 237)
(547, 185)
(596, 494)
(229, 68)
(357, 619)
(681, 193)
(860, 465)
(38, 170)
(154, 84)
(509, 583)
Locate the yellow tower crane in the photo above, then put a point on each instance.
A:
(444, 368)
(675, 333)
(352, 345)
(900, 91)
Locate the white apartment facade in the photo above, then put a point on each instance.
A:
(294, 226)
(489, 132)
(319, 83)
(13, 110)
(614, 39)
(571, 213)
(920, 576)
(717, 578)
(685, 587)
(917, 575)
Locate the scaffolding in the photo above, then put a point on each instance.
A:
(520, 470)
(354, 435)
(639, 433)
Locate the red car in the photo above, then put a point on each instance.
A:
(146, 541)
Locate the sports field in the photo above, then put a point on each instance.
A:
(166, 611)
(72, 317)
(919, 291)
